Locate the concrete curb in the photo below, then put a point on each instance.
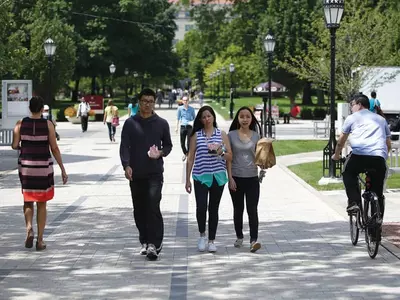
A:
(391, 248)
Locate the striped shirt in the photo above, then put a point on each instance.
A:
(206, 166)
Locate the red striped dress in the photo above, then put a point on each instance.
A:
(35, 163)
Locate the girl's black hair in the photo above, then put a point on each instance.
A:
(36, 104)
(254, 125)
(197, 124)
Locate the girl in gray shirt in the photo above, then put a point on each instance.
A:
(243, 174)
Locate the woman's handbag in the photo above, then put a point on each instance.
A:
(115, 120)
(265, 155)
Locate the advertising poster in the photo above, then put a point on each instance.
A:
(15, 100)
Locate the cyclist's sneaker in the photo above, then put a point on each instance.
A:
(143, 250)
(238, 243)
(254, 246)
(152, 252)
(353, 207)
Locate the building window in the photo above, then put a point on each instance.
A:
(187, 14)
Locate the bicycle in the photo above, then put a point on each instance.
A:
(368, 217)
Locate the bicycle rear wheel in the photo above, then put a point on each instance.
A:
(373, 225)
(354, 231)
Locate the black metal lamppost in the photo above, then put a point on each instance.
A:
(218, 81)
(135, 75)
(223, 71)
(50, 49)
(231, 104)
(269, 44)
(112, 68)
(333, 11)
(214, 77)
(126, 72)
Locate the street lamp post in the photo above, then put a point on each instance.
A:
(269, 44)
(231, 104)
(213, 85)
(50, 49)
(218, 81)
(135, 75)
(333, 11)
(126, 72)
(223, 70)
(112, 68)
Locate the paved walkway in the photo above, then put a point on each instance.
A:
(93, 243)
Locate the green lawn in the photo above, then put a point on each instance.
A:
(285, 147)
(312, 173)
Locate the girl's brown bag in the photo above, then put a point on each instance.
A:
(265, 155)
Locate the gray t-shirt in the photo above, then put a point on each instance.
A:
(244, 154)
(369, 132)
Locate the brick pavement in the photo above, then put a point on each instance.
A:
(93, 244)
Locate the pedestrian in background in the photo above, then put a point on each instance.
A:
(243, 174)
(133, 107)
(83, 113)
(110, 112)
(209, 148)
(145, 140)
(185, 117)
(34, 137)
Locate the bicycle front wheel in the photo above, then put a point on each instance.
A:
(354, 231)
(373, 225)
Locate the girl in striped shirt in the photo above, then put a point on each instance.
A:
(208, 152)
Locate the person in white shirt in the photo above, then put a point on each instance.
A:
(83, 112)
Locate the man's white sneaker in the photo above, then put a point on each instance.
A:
(201, 244)
(238, 243)
(254, 246)
(211, 247)
(143, 250)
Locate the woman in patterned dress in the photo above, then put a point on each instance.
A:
(34, 137)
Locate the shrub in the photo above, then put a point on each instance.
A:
(319, 113)
(306, 114)
(60, 116)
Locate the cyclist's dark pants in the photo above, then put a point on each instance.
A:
(357, 164)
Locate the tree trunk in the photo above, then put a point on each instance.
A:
(321, 98)
(131, 89)
(307, 94)
(74, 97)
(93, 91)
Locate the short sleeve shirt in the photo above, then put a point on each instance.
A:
(369, 132)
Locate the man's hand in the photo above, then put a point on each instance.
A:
(154, 153)
(128, 173)
(335, 156)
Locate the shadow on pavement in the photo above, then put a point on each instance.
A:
(93, 253)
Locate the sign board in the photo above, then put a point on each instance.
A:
(274, 112)
(15, 100)
(96, 103)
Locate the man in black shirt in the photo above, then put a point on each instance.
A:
(145, 140)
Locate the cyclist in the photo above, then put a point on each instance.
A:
(370, 143)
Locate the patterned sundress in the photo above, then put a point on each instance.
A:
(35, 164)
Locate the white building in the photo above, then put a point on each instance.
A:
(183, 21)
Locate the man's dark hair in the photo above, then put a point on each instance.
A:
(363, 100)
(36, 104)
(147, 92)
(373, 94)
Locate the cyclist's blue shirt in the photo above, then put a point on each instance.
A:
(134, 109)
(372, 103)
(369, 132)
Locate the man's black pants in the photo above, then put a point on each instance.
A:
(84, 122)
(186, 131)
(357, 164)
(146, 197)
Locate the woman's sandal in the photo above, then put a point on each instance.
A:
(41, 247)
(29, 239)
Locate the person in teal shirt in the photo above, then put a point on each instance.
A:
(133, 109)
(373, 102)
